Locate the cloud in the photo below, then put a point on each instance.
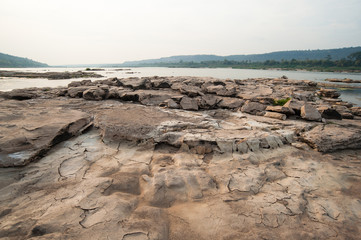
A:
(59, 32)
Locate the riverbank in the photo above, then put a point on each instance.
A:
(152, 157)
(49, 75)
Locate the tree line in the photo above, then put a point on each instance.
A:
(351, 63)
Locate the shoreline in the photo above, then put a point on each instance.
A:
(152, 157)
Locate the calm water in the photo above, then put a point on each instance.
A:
(353, 95)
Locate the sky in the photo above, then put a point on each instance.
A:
(113, 31)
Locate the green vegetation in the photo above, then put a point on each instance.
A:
(249, 60)
(352, 63)
(281, 102)
(8, 61)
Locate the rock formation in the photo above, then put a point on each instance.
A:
(179, 158)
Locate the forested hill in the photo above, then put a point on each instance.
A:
(8, 61)
(332, 54)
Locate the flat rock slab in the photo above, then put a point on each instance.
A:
(332, 137)
(27, 132)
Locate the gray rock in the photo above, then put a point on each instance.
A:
(208, 101)
(331, 137)
(76, 92)
(308, 112)
(294, 105)
(189, 103)
(281, 109)
(95, 93)
(329, 93)
(253, 107)
(276, 115)
(136, 83)
(231, 103)
(329, 113)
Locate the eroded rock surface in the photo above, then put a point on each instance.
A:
(151, 169)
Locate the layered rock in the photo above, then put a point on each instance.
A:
(166, 154)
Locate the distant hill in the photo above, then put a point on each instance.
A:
(334, 54)
(8, 61)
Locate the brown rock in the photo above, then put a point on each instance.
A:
(275, 115)
(95, 93)
(231, 103)
(356, 111)
(330, 138)
(308, 112)
(35, 132)
(253, 107)
(281, 109)
(329, 113)
(329, 93)
(189, 103)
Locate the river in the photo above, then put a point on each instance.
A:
(350, 95)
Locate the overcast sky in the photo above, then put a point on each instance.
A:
(113, 31)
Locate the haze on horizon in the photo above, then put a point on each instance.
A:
(110, 31)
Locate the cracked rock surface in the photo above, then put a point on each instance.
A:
(114, 169)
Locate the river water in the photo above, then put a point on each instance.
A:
(350, 95)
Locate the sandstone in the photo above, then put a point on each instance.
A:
(76, 92)
(275, 115)
(356, 111)
(281, 109)
(330, 138)
(231, 103)
(33, 132)
(189, 103)
(18, 94)
(294, 105)
(135, 83)
(208, 101)
(329, 93)
(329, 113)
(253, 107)
(95, 93)
(308, 112)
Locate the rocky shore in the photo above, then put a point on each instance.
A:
(179, 158)
(50, 75)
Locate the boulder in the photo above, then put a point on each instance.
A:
(19, 94)
(356, 111)
(188, 103)
(80, 83)
(76, 92)
(304, 96)
(26, 133)
(329, 113)
(170, 103)
(222, 90)
(190, 91)
(161, 83)
(275, 115)
(309, 112)
(152, 97)
(127, 95)
(344, 111)
(331, 137)
(135, 83)
(95, 93)
(208, 101)
(294, 105)
(281, 109)
(253, 107)
(230, 103)
(329, 93)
